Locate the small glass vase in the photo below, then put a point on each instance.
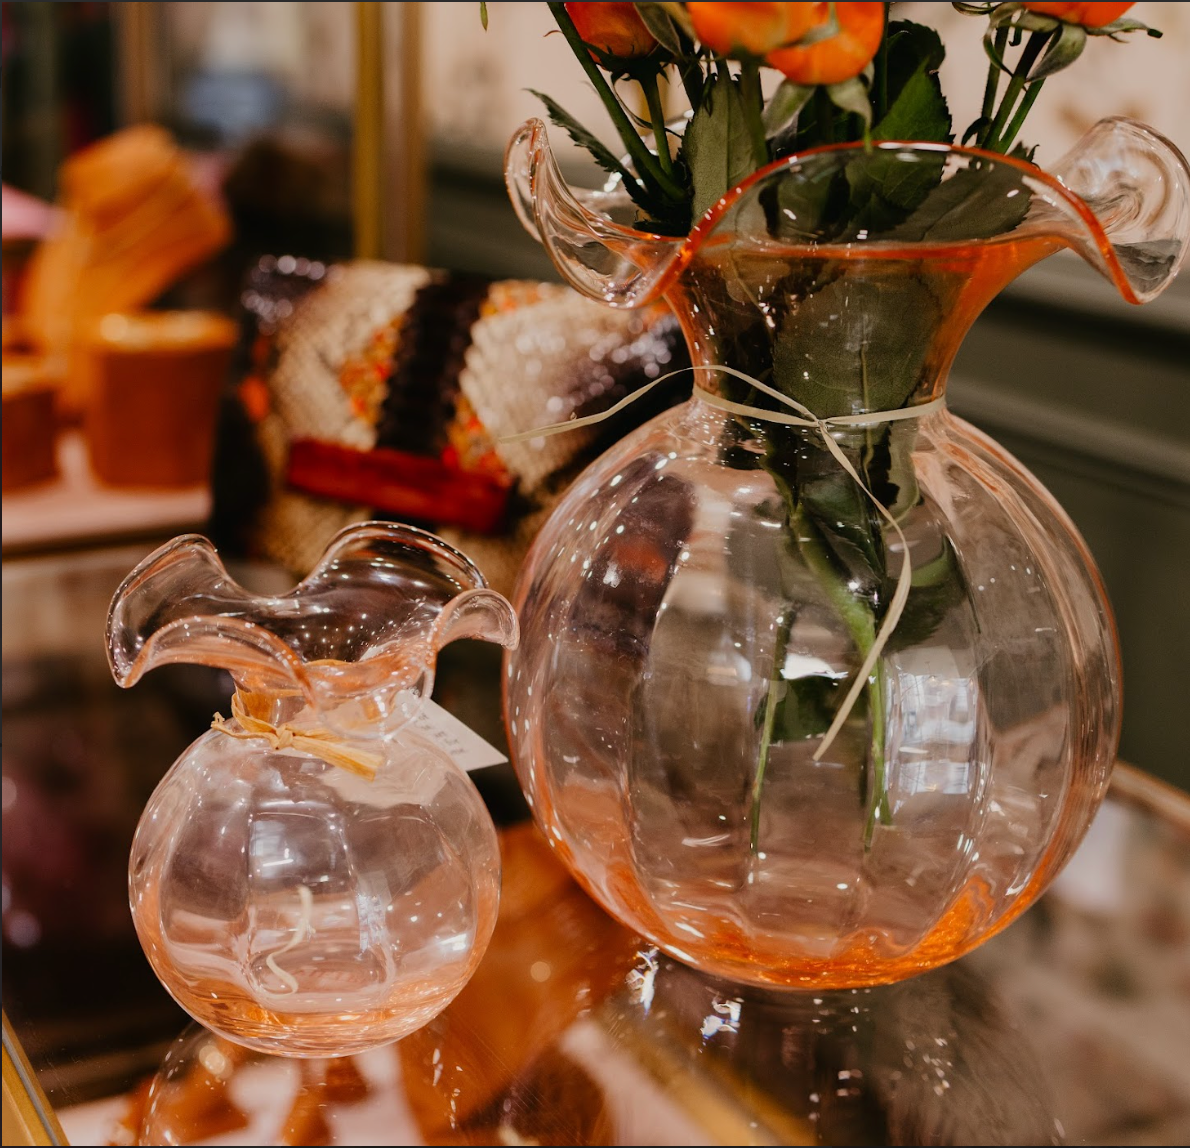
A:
(313, 877)
(704, 600)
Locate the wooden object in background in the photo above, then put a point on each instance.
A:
(155, 379)
(29, 426)
(554, 956)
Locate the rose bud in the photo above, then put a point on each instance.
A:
(615, 29)
(839, 57)
(750, 29)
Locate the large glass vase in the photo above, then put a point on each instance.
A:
(740, 737)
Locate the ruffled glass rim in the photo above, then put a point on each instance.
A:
(1161, 201)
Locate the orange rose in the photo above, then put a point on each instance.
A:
(842, 56)
(755, 29)
(1088, 15)
(612, 28)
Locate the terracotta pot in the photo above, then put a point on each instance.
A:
(30, 430)
(154, 379)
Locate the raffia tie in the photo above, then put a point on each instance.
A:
(314, 740)
(804, 417)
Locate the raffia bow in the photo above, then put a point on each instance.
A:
(315, 740)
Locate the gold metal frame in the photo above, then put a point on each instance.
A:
(139, 88)
(388, 146)
(28, 1117)
(407, 144)
(368, 131)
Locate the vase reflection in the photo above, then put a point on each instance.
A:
(572, 1032)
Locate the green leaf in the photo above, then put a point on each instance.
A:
(846, 519)
(910, 47)
(806, 708)
(1124, 24)
(681, 18)
(1060, 52)
(810, 203)
(884, 189)
(977, 202)
(597, 149)
(661, 25)
(916, 109)
(716, 146)
(1019, 21)
(897, 486)
(937, 587)
(784, 105)
(976, 127)
(839, 349)
(483, 15)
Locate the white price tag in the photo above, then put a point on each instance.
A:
(462, 743)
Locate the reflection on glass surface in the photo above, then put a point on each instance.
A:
(1070, 1027)
(670, 1057)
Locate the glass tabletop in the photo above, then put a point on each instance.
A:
(1071, 1026)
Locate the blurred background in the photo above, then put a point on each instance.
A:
(262, 143)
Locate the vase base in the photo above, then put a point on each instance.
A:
(729, 952)
(227, 1011)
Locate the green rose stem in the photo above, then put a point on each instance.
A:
(772, 700)
(1018, 121)
(649, 85)
(861, 625)
(753, 101)
(690, 73)
(1033, 49)
(825, 112)
(647, 165)
(990, 89)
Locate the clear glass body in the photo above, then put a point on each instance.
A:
(702, 599)
(298, 909)
(314, 877)
(652, 608)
